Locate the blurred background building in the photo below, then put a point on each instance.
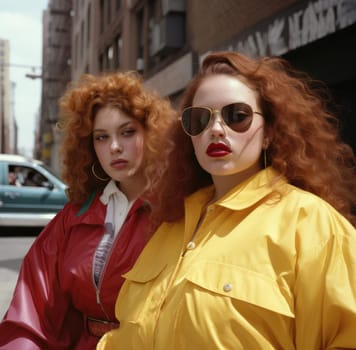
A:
(56, 74)
(8, 126)
(166, 39)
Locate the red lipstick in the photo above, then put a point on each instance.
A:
(218, 150)
(118, 163)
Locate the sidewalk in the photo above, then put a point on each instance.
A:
(12, 251)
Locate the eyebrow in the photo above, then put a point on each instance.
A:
(120, 127)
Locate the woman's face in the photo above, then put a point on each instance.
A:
(220, 150)
(118, 142)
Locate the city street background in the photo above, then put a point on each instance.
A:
(16, 17)
(12, 251)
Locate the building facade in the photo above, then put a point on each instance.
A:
(56, 74)
(165, 40)
(8, 126)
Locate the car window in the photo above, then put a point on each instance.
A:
(15, 176)
(26, 176)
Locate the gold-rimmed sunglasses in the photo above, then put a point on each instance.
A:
(237, 116)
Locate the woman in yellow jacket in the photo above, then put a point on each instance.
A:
(258, 247)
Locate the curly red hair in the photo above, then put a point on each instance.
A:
(78, 107)
(304, 139)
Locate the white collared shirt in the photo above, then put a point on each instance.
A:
(117, 209)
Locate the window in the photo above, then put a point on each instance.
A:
(102, 17)
(88, 24)
(26, 176)
(76, 8)
(76, 51)
(108, 9)
(81, 40)
(140, 41)
(118, 5)
(101, 63)
(118, 46)
(109, 57)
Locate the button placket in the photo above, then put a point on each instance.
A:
(191, 245)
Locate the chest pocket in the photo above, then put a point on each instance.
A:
(242, 285)
(140, 295)
(139, 274)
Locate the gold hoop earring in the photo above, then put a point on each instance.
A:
(95, 174)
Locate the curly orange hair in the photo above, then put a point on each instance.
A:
(305, 145)
(78, 107)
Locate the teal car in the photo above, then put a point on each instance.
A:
(30, 193)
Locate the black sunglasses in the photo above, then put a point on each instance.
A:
(237, 116)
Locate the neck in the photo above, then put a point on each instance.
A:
(132, 188)
(223, 184)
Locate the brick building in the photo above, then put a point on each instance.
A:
(166, 39)
(56, 74)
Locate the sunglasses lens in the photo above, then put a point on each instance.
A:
(238, 116)
(195, 120)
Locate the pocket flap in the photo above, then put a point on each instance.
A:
(242, 284)
(140, 273)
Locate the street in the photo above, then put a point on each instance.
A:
(12, 251)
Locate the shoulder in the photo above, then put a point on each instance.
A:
(93, 200)
(313, 213)
(308, 202)
(74, 213)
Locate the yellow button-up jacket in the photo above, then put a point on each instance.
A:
(268, 267)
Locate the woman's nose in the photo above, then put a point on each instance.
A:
(217, 125)
(115, 146)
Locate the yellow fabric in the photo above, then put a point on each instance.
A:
(273, 268)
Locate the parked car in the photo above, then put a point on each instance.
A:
(30, 193)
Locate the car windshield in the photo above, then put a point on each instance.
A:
(49, 170)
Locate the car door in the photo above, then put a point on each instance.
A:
(23, 195)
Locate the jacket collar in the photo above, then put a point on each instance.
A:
(263, 184)
(93, 211)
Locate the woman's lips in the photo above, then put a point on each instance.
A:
(218, 150)
(119, 163)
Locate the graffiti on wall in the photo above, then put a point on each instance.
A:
(315, 20)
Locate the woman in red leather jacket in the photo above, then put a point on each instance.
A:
(113, 149)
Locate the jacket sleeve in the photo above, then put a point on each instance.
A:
(40, 315)
(325, 287)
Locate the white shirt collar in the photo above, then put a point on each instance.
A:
(117, 203)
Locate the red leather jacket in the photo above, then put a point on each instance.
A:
(55, 291)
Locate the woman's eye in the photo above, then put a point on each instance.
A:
(239, 116)
(100, 137)
(128, 131)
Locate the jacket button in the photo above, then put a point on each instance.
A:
(227, 287)
(190, 245)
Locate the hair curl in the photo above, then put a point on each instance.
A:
(78, 107)
(304, 138)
